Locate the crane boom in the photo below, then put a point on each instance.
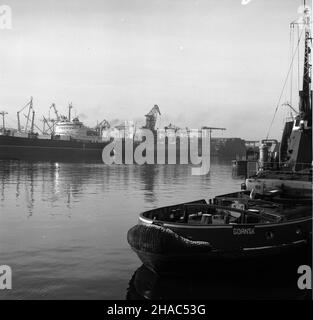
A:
(28, 115)
(34, 125)
(154, 111)
(213, 128)
(55, 111)
(30, 103)
(151, 117)
(45, 121)
(103, 124)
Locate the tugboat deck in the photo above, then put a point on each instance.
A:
(231, 209)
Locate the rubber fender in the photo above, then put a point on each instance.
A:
(157, 239)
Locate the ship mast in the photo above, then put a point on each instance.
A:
(305, 103)
(3, 113)
(299, 150)
(69, 111)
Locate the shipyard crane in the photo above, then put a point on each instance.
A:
(151, 118)
(104, 124)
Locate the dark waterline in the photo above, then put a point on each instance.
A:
(63, 231)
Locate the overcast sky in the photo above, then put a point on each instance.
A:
(204, 62)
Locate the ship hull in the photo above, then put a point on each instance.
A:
(33, 149)
(185, 263)
(227, 247)
(167, 240)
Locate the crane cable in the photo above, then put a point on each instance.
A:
(292, 33)
(285, 83)
(26, 105)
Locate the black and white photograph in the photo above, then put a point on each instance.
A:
(155, 150)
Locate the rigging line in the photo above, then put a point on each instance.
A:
(290, 46)
(298, 60)
(26, 105)
(284, 86)
(292, 33)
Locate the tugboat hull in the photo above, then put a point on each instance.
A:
(185, 263)
(216, 242)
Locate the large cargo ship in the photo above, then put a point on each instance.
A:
(64, 139)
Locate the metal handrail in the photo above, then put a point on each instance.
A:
(283, 167)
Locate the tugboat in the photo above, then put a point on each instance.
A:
(270, 217)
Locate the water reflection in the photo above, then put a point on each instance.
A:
(152, 176)
(147, 176)
(51, 182)
(273, 279)
(54, 182)
(64, 222)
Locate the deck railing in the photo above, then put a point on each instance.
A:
(249, 168)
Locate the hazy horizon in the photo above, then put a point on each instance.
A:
(204, 62)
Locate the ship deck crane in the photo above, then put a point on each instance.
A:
(33, 125)
(286, 104)
(55, 111)
(30, 105)
(46, 122)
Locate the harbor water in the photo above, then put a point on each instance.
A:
(63, 230)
